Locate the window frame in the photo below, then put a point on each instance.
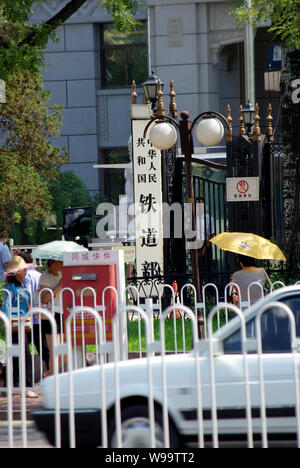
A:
(124, 47)
(252, 321)
(103, 158)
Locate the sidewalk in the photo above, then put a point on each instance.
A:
(32, 404)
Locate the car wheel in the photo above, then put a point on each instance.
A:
(135, 428)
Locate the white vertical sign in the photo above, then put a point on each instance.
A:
(148, 202)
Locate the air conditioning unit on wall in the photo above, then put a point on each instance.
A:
(272, 76)
(272, 80)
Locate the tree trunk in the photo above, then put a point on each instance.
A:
(290, 112)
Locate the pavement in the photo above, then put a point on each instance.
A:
(23, 436)
(32, 404)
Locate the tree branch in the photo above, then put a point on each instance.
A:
(53, 23)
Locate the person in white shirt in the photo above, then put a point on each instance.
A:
(51, 279)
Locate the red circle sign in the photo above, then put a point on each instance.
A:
(242, 186)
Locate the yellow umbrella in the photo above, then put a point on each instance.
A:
(248, 244)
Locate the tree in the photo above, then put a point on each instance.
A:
(28, 161)
(284, 16)
(22, 45)
(68, 190)
(290, 114)
(285, 27)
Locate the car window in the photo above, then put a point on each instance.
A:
(275, 329)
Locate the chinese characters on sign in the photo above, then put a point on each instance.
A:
(242, 189)
(148, 203)
(92, 257)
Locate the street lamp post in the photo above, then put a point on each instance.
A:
(248, 116)
(209, 131)
(151, 88)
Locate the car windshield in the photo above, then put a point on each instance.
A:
(275, 329)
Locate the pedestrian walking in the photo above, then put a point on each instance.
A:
(51, 279)
(17, 296)
(31, 282)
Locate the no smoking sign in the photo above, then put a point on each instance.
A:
(242, 186)
(242, 189)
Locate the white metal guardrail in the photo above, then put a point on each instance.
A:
(109, 350)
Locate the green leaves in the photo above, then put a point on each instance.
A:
(284, 16)
(23, 192)
(28, 161)
(22, 44)
(16, 11)
(123, 12)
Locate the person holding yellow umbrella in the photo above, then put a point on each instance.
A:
(247, 276)
(248, 247)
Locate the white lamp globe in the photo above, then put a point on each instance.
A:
(163, 136)
(210, 131)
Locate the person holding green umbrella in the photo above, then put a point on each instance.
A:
(53, 252)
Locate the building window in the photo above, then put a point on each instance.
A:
(123, 56)
(111, 180)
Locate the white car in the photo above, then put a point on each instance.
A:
(208, 399)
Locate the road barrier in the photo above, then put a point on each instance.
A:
(68, 357)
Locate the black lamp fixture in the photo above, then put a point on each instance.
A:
(248, 116)
(150, 89)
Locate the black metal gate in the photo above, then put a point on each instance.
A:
(244, 160)
(214, 267)
(213, 264)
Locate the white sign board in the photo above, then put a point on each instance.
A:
(148, 202)
(241, 189)
(2, 92)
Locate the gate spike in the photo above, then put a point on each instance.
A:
(160, 110)
(269, 131)
(173, 107)
(241, 122)
(229, 135)
(133, 93)
(256, 136)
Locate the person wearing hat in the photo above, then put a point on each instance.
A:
(14, 275)
(16, 295)
(31, 282)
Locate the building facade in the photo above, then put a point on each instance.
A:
(195, 43)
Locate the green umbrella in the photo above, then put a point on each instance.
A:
(55, 250)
